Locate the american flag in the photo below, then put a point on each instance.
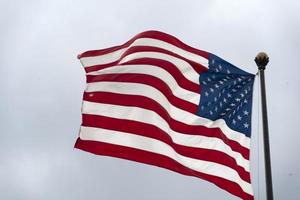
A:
(158, 101)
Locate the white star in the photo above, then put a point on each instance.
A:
(216, 70)
(229, 95)
(239, 117)
(225, 100)
(245, 101)
(220, 67)
(246, 112)
(216, 86)
(242, 95)
(246, 125)
(232, 104)
(215, 99)
(233, 121)
(204, 82)
(227, 109)
(210, 112)
(221, 104)
(209, 79)
(238, 99)
(221, 82)
(206, 93)
(228, 71)
(239, 79)
(211, 89)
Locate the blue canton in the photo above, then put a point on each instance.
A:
(226, 93)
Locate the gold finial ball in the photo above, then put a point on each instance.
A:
(262, 55)
(262, 59)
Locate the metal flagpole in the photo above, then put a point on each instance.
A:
(262, 60)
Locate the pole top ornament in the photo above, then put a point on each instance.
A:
(262, 59)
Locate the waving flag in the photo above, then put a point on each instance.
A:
(158, 101)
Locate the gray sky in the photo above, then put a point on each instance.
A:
(41, 86)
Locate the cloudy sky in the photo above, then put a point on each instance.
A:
(42, 82)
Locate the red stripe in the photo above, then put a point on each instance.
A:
(141, 156)
(151, 61)
(136, 49)
(181, 80)
(147, 130)
(147, 103)
(147, 34)
(150, 81)
(99, 67)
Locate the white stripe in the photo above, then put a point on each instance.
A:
(103, 59)
(186, 69)
(175, 112)
(150, 117)
(116, 55)
(170, 47)
(157, 72)
(159, 147)
(150, 92)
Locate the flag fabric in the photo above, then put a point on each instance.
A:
(158, 101)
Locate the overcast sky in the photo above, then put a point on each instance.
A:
(42, 82)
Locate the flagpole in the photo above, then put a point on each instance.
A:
(262, 60)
